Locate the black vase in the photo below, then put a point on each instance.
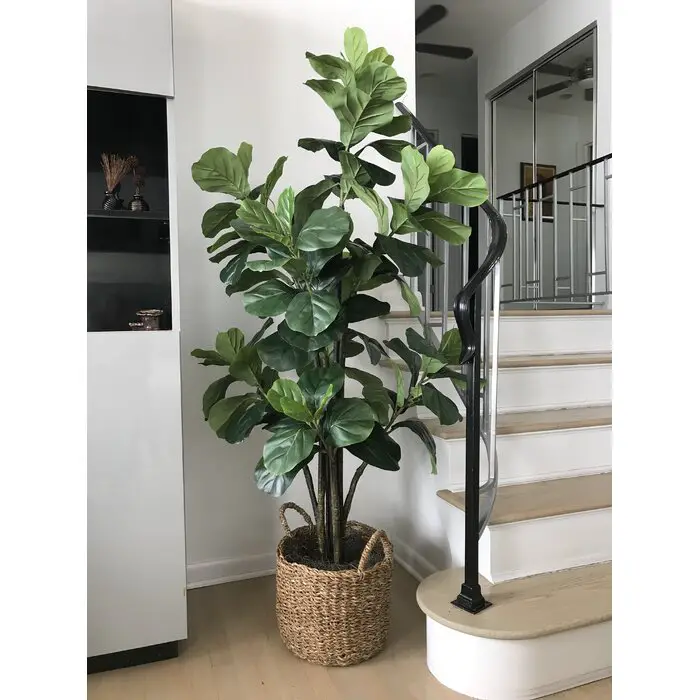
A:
(111, 201)
(137, 202)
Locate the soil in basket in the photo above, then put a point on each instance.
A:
(302, 549)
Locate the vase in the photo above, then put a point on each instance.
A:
(137, 202)
(111, 201)
(150, 318)
(333, 618)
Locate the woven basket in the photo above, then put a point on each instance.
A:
(334, 618)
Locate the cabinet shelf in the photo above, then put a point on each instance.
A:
(126, 214)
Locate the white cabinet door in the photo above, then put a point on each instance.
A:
(136, 517)
(130, 46)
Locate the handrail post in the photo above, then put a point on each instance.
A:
(470, 597)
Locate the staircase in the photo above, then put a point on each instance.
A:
(525, 609)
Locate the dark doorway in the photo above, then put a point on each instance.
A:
(470, 163)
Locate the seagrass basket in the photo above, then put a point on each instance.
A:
(334, 618)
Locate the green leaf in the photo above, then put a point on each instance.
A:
(376, 204)
(284, 388)
(376, 175)
(309, 200)
(350, 347)
(458, 380)
(451, 346)
(325, 228)
(355, 43)
(378, 398)
(262, 220)
(245, 155)
(218, 218)
(379, 450)
(381, 55)
(271, 298)
(364, 378)
(440, 160)
(330, 67)
(443, 407)
(248, 279)
(412, 359)
(362, 306)
(247, 415)
(261, 332)
(443, 227)
(400, 385)
(348, 421)
(209, 356)
(272, 179)
(220, 170)
(459, 187)
(324, 402)
(273, 263)
(285, 210)
(268, 377)
(415, 178)
(360, 114)
(402, 221)
(373, 346)
(223, 239)
(398, 125)
(279, 355)
(232, 271)
(311, 313)
(430, 365)
(291, 443)
(332, 93)
(389, 148)
(214, 393)
(305, 342)
(409, 297)
(272, 484)
(246, 365)
(316, 381)
(228, 343)
(410, 259)
(420, 345)
(332, 148)
(381, 82)
(419, 429)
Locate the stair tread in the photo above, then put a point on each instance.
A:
(518, 312)
(523, 608)
(526, 361)
(544, 499)
(532, 421)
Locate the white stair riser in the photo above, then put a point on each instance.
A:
(518, 669)
(530, 547)
(532, 457)
(529, 335)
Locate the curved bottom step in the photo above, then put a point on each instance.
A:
(543, 635)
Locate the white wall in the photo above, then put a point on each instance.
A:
(239, 73)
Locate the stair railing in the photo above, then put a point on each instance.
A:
(468, 311)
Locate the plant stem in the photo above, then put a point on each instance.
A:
(321, 507)
(351, 491)
(336, 471)
(312, 491)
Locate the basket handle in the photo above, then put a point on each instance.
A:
(377, 536)
(298, 509)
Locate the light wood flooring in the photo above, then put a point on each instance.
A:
(234, 653)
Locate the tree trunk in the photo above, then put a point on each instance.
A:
(336, 490)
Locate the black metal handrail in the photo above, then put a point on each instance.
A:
(467, 311)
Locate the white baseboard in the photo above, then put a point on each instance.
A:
(416, 564)
(212, 573)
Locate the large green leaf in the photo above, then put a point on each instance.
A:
(332, 148)
(209, 357)
(389, 148)
(378, 398)
(348, 421)
(440, 160)
(272, 179)
(330, 67)
(381, 81)
(459, 187)
(362, 306)
(271, 298)
(233, 418)
(232, 271)
(229, 342)
(398, 125)
(311, 313)
(415, 178)
(245, 155)
(419, 429)
(373, 346)
(361, 114)
(414, 306)
(374, 175)
(443, 226)
(315, 382)
(324, 228)
(248, 279)
(379, 54)
(285, 210)
(261, 332)
(309, 200)
(419, 344)
(218, 218)
(400, 385)
(274, 262)
(451, 346)
(286, 397)
(290, 444)
(411, 259)
(364, 378)
(246, 365)
(223, 239)
(279, 355)
(305, 342)
(412, 359)
(332, 93)
(442, 406)
(376, 204)
(262, 220)
(220, 170)
(215, 392)
(355, 43)
(378, 449)
(275, 484)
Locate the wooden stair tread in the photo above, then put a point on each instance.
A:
(523, 608)
(544, 499)
(510, 313)
(532, 421)
(525, 361)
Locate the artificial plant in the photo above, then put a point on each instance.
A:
(298, 266)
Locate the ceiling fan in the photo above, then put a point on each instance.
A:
(581, 75)
(426, 20)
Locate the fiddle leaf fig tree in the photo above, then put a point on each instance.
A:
(300, 265)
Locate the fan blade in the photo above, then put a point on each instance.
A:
(555, 69)
(551, 89)
(444, 50)
(588, 95)
(432, 15)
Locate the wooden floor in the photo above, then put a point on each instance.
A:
(234, 653)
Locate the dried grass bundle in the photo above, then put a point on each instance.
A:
(116, 168)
